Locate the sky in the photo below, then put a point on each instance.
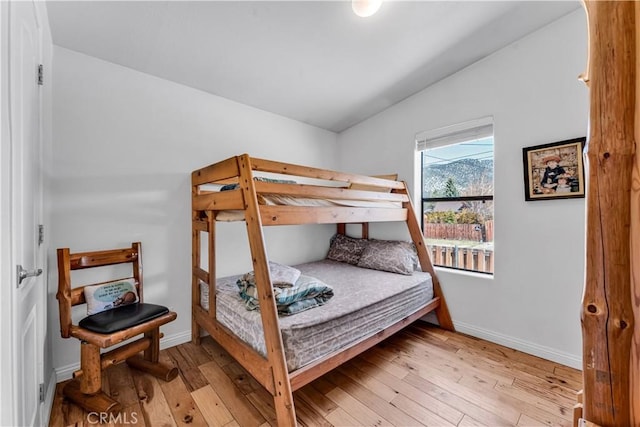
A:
(481, 149)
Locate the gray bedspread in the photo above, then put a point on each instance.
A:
(365, 301)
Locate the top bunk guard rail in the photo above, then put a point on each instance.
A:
(233, 199)
(298, 215)
(224, 171)
(329, 175)
(218, 200)
(216, 172)
(316, 191)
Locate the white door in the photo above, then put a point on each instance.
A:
(26, 210)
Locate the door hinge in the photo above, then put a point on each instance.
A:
(40, 74)
(40, 234)
(41, 392)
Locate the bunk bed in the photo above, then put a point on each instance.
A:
(307, 196)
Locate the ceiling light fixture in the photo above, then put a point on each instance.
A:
(365, 8)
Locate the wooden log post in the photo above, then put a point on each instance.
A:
(634, 365)
(607, 314)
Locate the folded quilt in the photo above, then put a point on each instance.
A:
(308, 292)
(282, 276)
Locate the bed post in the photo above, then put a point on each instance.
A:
(211, 228)
(442, 312)
(341, 228)
(283, 396)
(195, 263)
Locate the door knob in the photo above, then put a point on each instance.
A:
(22, 274)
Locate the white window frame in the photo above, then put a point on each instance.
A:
(448, 135)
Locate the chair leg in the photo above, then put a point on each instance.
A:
(150, 362)
(152, 354)
(91, 380)
(87, 391)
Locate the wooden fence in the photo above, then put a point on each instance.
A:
(488, 230)
(473, 232)
(462, 257)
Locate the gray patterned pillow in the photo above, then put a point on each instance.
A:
(389, 255)
(346, 249)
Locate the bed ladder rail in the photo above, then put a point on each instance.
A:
(442, 311)
(283, 394)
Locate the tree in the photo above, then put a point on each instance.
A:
(450, 189)
(481, 186)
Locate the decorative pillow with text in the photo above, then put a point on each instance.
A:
(106, 296)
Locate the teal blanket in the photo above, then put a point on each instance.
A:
(306, 293)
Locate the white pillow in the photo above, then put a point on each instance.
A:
(282, 276)
(106, 296)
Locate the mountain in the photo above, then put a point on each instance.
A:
(468, 175)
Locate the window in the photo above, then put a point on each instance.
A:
(457, 195)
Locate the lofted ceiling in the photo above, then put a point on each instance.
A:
(312, 61)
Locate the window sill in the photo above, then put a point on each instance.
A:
(467, 273)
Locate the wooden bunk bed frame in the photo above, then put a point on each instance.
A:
(271, 372)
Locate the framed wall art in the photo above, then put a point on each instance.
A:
(554, 171)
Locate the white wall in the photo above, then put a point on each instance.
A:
(124, 146)
(531, 89)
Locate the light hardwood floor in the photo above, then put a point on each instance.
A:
(421, 376)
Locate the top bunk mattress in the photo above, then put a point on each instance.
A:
(284, 200)
(365, 301)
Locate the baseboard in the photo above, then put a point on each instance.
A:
(48, 399)
(544, 352)
(64, 373)
(175, 339)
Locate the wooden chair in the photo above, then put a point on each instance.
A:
(108, 328)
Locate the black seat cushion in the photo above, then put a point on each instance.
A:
(120, 318)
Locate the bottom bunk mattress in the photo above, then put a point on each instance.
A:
(365, 301)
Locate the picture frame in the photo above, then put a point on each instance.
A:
(554, 171)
